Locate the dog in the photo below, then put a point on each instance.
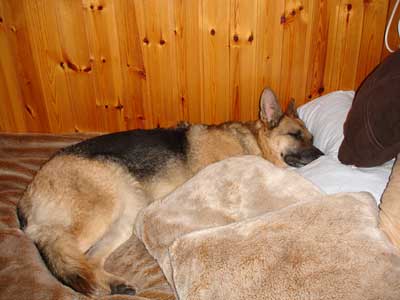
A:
(83, 202)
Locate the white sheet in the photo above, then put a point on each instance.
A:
(325, 117)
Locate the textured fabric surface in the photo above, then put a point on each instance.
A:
(372, 127)
(390, 206)
(23, 275)
(225, 192)
(317, 250)
(245, 229)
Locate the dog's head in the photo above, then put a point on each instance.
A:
(283, 137)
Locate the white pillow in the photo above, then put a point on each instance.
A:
(324, 117)
(332, 177)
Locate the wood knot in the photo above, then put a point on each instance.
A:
(349, 7)
(162, 42)
(87, 69)
(72, 66)
(321, 90)
(212, 31)
(29, 110)
(251, 38)
(141, 73)
(235, 38)
(119, 106)
(146, 41)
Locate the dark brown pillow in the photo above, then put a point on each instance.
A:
(372, 127)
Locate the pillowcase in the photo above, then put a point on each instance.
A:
(331, 176)
(372, 128)
(324, 118)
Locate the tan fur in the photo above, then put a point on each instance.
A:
(79, 210)
(274, 142)
(82, 202)
(209, 144)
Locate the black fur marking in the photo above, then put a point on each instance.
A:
(21, 218)
(122, 289)
(143, 152)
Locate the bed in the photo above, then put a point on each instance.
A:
(258, 232)
(23, 275)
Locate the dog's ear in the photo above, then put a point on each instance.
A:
(291, 109)
(270, 110)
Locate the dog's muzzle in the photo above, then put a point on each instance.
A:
(302, 158)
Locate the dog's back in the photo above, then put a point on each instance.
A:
(83, 202)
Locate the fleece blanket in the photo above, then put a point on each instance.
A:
(244, 229)
(390, 206)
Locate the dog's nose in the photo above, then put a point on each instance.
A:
(317, 152)
(303, 158)
(312, 153)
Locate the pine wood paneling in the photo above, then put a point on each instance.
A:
(188, 30)
(107, 65)
(243, 38)
(269, 41)
(215, 37)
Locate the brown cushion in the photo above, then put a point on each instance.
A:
(372, 127)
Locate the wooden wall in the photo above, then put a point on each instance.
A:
(106, 65)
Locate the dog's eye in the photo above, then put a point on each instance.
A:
(296, 135)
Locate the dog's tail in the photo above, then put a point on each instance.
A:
(64, 259)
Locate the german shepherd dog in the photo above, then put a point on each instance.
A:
(83, 202)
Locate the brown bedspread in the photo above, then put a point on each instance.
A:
(23, 274)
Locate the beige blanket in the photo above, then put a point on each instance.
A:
(244, 229)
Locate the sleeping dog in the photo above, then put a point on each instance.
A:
(83, 202)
